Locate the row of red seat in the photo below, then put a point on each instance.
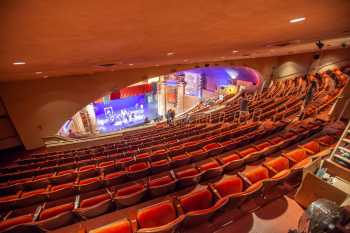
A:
(132, 193)
(82, 184)
(121, 160)
(201, 203)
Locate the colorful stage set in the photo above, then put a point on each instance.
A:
(149, 100)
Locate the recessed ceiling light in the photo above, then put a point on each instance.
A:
(297, 20)
(38, 72)
(17, 63)
(131, 64)
(170, 54)
(235, 51)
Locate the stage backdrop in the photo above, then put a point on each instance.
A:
(123, 113)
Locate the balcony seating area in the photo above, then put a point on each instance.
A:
(228, 161)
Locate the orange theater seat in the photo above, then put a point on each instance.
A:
(198, 155)
(15, 221)
(262, 145)
(54, 211)
(159, 154)
(187, 173)
(120, 226)
(188, 176)
(278, 164)
(160, 165)
(158, 215)
(313, 147)
(231, 161)
(160, 181)
(275, 140)
(210, 169)
(87, 168)
(137, 167)
(208, 165)
(229, 185)
(327, 140)
(247, 152)
(66, 172)
(296, 155)
(179, 160)
(257, 174)
(114, 178)
(61, 186)
(197, 200)
(143, 157)
(89, 181)
(33, 192)
(200, 205)
(128, 190)
(138, 170)
(213, 149)
(94, 200)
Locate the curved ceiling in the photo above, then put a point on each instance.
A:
(59, 38)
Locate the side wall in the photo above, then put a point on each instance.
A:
(38, 108)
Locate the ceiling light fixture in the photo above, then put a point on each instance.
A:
(38, 72)
(297, 20)
(131, 64)
(185, 60)
(170, 54)
(235, 51)
(17, 63)
(46, 76)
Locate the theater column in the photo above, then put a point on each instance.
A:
(162, 97)
(180, 97)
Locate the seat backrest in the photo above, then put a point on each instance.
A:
(121, 226)
(197, 200)
(51, 212)
(156, 215)
(211, 146)
(229, 158)
(262, 145)
(247, 151)
(138, 166)
(94, 200)
(62, 186)
(129, 189)
(209, 165)
(313, 146)
(257, 174)
(297, 155)
(187, 172)
(88, 181)
(160, 181)
(15, 221)
(229, 185)
(278, 164)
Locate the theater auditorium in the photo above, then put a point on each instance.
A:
(175, 116)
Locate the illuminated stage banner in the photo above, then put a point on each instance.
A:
(121, 113)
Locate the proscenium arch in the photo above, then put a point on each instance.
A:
(243, 72)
